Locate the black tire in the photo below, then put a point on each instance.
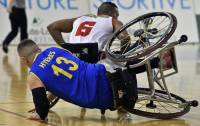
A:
(155, 112)
(120, 56)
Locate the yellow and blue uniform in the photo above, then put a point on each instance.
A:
(73, 80)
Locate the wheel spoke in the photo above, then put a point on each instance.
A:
(164, 28)
(161, 22)
(164, 107)
(142, 105)
(173, 106)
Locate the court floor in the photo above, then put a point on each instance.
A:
(16, 99)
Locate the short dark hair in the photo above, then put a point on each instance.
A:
(26, 47)
(107, 8)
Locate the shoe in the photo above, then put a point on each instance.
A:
(167, 60)
(5, 48)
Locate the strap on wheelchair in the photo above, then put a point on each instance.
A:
(124, 89)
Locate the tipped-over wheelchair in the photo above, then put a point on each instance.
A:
(148, 37)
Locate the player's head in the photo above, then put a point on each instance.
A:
(108, 8)
(26, 50)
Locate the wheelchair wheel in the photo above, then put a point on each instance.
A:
(141, 36)
(155, 108)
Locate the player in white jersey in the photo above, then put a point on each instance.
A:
(92, 29)
(88, 28)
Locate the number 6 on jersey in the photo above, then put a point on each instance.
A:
(85, 28)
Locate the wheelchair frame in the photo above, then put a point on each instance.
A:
(152, 77)
(151, 94)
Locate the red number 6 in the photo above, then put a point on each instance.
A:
(85, 28)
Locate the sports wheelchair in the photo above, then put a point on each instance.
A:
(147, 37)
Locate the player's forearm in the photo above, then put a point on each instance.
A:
(56, 35)
(41, 102)
(125, 40)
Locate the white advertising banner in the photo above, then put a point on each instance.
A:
(196, 5)
(40, 13)
(182, 9)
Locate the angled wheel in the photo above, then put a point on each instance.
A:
(141, 36)
(157, 107)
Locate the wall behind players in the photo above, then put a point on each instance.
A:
(42, 12)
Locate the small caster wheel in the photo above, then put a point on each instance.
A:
(194, 103)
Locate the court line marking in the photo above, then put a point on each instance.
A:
(15, 102)
(24, 117)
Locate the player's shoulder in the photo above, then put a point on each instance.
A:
(104, 16)
(90, 15)
(87, 16)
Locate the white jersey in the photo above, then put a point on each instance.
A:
(91, 29)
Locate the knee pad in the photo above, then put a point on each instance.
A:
(131, 94)
(124, 88)
(117, 89)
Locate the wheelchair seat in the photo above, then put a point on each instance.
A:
(87, 52)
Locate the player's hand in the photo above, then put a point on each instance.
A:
(102, 55)
(34, 116)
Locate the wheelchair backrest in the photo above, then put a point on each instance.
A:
(87, 52)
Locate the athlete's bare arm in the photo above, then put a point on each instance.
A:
(56, 28)
(39, 98)
(34, 82)
(123, 36)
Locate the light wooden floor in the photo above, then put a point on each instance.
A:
(16, 99)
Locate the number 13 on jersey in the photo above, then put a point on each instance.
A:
(57, 69)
